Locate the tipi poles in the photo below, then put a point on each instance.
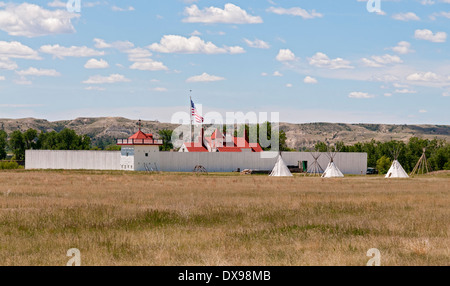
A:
(421, 166)
(315, 168)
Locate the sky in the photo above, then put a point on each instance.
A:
(310, 61)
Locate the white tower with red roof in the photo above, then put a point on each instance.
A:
(139, 152)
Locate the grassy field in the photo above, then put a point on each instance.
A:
(118, 218)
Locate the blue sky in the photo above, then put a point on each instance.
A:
(312, 61)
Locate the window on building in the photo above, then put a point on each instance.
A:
(146, 154)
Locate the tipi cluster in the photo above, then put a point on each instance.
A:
(332, 171)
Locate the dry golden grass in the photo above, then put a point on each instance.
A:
(118, 218)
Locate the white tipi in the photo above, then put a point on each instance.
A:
(280, 169)
(396, 171)
(332, 171)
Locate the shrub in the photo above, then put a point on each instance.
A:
(11, 165)
(383, 164)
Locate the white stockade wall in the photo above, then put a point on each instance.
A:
(72, 160)
(348, 163)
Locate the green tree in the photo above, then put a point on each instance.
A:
(383, 165)
(283, 144)
(321, 147)
(166, 136)
(17, 145)
(67, 139)
(3, 144)
(30, 137)
(113, 148)
(440, 158)
(340, 146)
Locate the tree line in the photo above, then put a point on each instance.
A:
(381, 154)
(19, 141)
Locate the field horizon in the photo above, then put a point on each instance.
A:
(135, 218)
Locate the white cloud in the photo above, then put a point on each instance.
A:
(96, 64)
(138, 54)
(446, 93)
(2, 78)
(98, 79)
(424, 76)
(439, 37)
(231, 14)
(423, 111)
(295, 11)
(118, 9)
(285, 55)
(17, 50)
(388, 94)
(84, 4)
(196, 33)
(264, 74)
(148, 65)
(310, 80)
(370, 63)
(192, 45)
(405, 91)
(30, 20)
(57, 4)
(321, 60)
(277, 73)
(38, 72)
(101, 44)
(73, 51)
(92, 4)
(96, 88)
(410, 16)
(159, 89)
(398, 85)
(119, 45)
(258, 44)
(440, 14)
(7, 64)
(289, 85)
(427, 2)
(402, 48)
(22, 81)
(381, 61)
(205, 78)
(359, 95)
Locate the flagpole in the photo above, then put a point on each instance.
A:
(190, 117)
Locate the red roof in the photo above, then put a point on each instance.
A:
(229, 149)
(195, 147)
(256, 147)
(141, 135)
(239, 144)
(139, 138)
(216, 134)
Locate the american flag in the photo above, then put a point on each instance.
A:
(194, 113)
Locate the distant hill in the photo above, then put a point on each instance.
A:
(104, 130)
